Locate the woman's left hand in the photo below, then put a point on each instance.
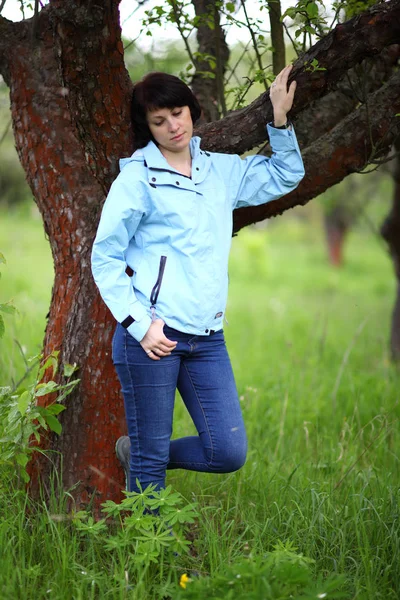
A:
(282, 98)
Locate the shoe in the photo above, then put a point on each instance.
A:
(122, 450)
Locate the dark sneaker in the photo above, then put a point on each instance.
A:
(122, 450)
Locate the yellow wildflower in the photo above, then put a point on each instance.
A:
(183, 580)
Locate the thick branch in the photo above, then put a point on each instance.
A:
(347, 45)
(8, 39)
(346, 149)
(325, 113)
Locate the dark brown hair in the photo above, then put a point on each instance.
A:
(158, 90)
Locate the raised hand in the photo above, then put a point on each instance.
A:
(281, 97)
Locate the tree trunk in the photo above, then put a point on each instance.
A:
(211, 40)
(277, 37)
(391, 233)
(336, 228)
(69, 91)
(69, 94)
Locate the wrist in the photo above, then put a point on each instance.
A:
(279, 119)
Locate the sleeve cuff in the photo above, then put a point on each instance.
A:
(138, 329)
(281, 139)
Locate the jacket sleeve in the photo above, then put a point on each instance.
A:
(120, 218)
(261, 179)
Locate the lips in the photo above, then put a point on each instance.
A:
(177, 137)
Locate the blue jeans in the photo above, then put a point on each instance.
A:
(200, 368)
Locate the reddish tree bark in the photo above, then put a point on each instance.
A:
(336, 229)
(69, 90)
(69, 94)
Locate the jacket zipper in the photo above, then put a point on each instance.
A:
(156, 289)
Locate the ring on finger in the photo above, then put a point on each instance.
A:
(149, 351)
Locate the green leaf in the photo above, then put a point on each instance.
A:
(2, 259)
(8, 308)
(70, 369)
(23, 402)
(2, 328)
(22, 459)
(25, 476)
(52, 361)
(230, 7)
(55, 409)
(312, 10)
(53, 423)
(290, 12)
(45, 388)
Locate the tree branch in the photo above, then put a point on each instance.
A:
(346, 149)
(325, 113)
(348, 44)
(8, 31)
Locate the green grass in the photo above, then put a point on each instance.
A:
(309, 347)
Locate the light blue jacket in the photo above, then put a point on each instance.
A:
(174, 232)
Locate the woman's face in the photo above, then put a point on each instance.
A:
(172, 128)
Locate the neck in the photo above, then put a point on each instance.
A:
(181, 161)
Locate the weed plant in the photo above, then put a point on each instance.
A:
(314, 513)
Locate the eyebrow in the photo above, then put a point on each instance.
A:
(156, 116)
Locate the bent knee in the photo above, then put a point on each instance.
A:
(230, 458)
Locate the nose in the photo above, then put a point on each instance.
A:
(173, 125)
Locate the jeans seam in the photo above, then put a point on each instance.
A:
(204, 415)
(188, 463)
(135, 413)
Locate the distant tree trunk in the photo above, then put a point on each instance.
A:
(69, 94)
(277, 37)
(336, 228)
(391, 233)
(211, 40)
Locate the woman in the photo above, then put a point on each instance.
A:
(160, 261)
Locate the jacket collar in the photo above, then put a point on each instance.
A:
(155, 162)
(155, 159)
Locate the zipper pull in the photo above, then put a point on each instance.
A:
(153, 313)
